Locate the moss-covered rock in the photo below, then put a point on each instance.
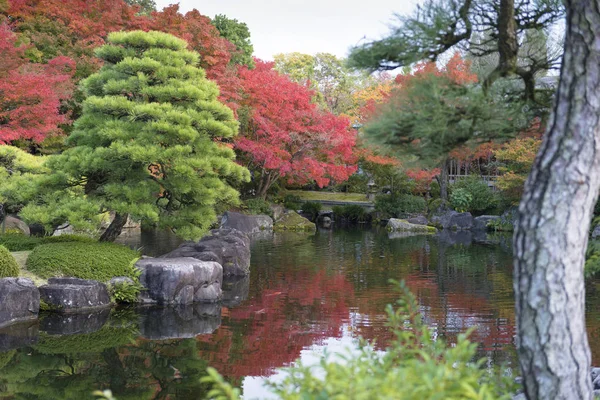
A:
(292, 221)
(402, 225)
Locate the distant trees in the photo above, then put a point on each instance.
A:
(146, 144)
(237, 33)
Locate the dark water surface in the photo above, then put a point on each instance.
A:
(305, 294)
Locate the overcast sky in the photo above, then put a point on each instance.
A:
(306, 26)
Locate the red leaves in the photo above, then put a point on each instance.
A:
(31, 94)
(288, 134)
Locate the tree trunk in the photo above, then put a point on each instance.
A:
(554, 217)
(443, 180)
(114, 229)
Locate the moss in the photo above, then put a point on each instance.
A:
(294, 222)
(98, 261)
(8, 264)
(6, 357)
(402, 225)
(20, 242)
(47, 307)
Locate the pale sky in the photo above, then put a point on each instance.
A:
(306, 26)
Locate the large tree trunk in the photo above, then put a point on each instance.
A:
(114, 229)
(552, 231)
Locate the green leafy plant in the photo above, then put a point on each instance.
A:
(312, 208)
(292, 202)
(461, 199)
(127, 291)
(416, 366)
(482, 196)
(8, 264)
(397, 206)
(350, 212)
(500, 225)
(258, 207)
(98, 261)
(592, 259)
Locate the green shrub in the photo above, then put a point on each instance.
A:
(350, 212)
(8, 265)
(416, 366)
(258, 207)
(20, 242)
(312, 208)
(127, 292)
(292, 202)
(98, 261)
(482, 196)
(592, 259)
(397, 206)
(500, 225)
(461, 200)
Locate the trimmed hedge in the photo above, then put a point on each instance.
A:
(8, 265)
(20, 242)
(98, 261)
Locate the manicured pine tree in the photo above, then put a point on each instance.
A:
(149, 143)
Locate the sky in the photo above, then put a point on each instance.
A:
(306, 26)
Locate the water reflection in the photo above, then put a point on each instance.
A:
(304, 293)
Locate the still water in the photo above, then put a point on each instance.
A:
(305, 294)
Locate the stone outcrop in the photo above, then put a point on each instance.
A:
(74, 294)
(480, 223)
(402, 225)
(19, 301)
(228, 247)
(248, 224)
(179, 322)
(418, 220)
(13, 223)
(294, 222)
(182, 280)
(453, 220)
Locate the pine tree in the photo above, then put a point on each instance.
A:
(149, 143)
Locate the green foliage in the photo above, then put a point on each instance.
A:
(146, 6)
(435, 205)
(148, 143)
(350, 212)
(20, 242)
(416, 366)
(592, 259)
(292, 202)
(500, 225)
(312, 208)
(238, 34)
(18, 170)
(124, 291)
(294, 222)
(98, 261)
(482, 196)
(461, 199)
(8, 264)
(258, 207)
(400, 205)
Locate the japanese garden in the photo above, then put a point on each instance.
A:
(183, 219)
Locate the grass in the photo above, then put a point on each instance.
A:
(307, 195)
(21, 257)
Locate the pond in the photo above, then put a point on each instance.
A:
(305, 294)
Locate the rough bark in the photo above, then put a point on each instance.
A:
(552, 231)
(114, 229)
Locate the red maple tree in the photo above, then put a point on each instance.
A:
(287, 136)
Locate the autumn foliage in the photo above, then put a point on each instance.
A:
(286, 136)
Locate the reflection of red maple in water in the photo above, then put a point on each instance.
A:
(282, 321)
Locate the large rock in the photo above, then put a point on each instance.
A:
(418, 220)
(228, 247)
(248, 224)
(480, 223)
(19, 301)
(13, 223)
(74, 294)
(453, 220)
(179, 322)
(181, 280)
(402, 225)
(277, 210)
(292, 221)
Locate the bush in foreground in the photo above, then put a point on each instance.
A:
(20, 242)
(98, 261)
(414, 367)
(8, 264)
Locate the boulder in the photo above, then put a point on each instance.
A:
(480, 223)
(453, 220)
(248, 224)
(402, 225)
(14, 223)
(74, 294)
(19, 301)
(64, 229)
(74, 323)
(179, 322)
(277, 210)
(418, 220)
(18, 335)
(181, 280)
(228, 247)
(292, 221)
